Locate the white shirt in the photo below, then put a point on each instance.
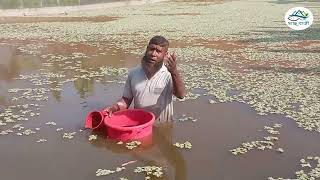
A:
(153, 95)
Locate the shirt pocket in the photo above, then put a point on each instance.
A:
(158, 89)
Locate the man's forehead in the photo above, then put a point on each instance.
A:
(156, 46)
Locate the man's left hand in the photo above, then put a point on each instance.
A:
(171, 62)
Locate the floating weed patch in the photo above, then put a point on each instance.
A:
(18, 113)
(68, 135)
(51, 123)
(28, 132)
(132, 144)
(310, 171)
(93, 137)
(19, 127)
(35, 94)
(267, 143)
(105, 172)
(185, 145)
(6, 132)
(41, 141)
(184, 117)
(150, 171)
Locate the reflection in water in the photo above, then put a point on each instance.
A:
(9, 67)
(12, 65)
(157, 150)
(84, 86)
(3, 102)
(163, 138)
(55, 93)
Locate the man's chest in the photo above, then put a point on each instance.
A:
(156, 85)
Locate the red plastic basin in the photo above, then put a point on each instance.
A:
(130, 124)
(94, 120)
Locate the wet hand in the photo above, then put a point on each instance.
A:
(108, 111)
(171, 62)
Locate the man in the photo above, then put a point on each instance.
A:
(152, 83)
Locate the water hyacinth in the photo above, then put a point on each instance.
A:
(6, 132)
(267, 143)
(51, 123)
(28, 132)
(20, 112)
(93, 137)
(18, 126)
(150, 171)
(41, 140)
(104, 172)
(69, 135)
(184, 117)
(186, 145)
(132, 144)
(308, 172)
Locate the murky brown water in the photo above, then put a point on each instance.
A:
(219, 128)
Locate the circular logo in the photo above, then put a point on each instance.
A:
(299, 18)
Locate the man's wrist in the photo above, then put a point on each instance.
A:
(174, 72)
(115, 107)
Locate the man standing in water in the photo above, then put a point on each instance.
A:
(152, 84)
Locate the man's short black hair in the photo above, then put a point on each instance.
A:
(160, 40)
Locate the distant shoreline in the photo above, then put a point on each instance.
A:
(60, 10)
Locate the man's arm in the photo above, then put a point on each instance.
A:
(121, 104)
(178, 85)
(125, 101)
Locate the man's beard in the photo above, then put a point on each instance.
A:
(151, 68)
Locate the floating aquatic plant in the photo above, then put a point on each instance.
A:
(104, 172)
(41, 140)
(93, 137)
(184, 117)
(267, 143)
(132, 144)
(150, 171)
(69, 135)
(311, 169)
(51, 123)
(186, 145)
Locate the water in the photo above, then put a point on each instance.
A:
(218, 129)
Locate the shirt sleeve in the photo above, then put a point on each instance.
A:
(127, 91)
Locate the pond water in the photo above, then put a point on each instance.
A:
(55, 84)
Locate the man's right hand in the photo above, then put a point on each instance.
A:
(111, 109)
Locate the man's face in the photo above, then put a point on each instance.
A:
(155, 54)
